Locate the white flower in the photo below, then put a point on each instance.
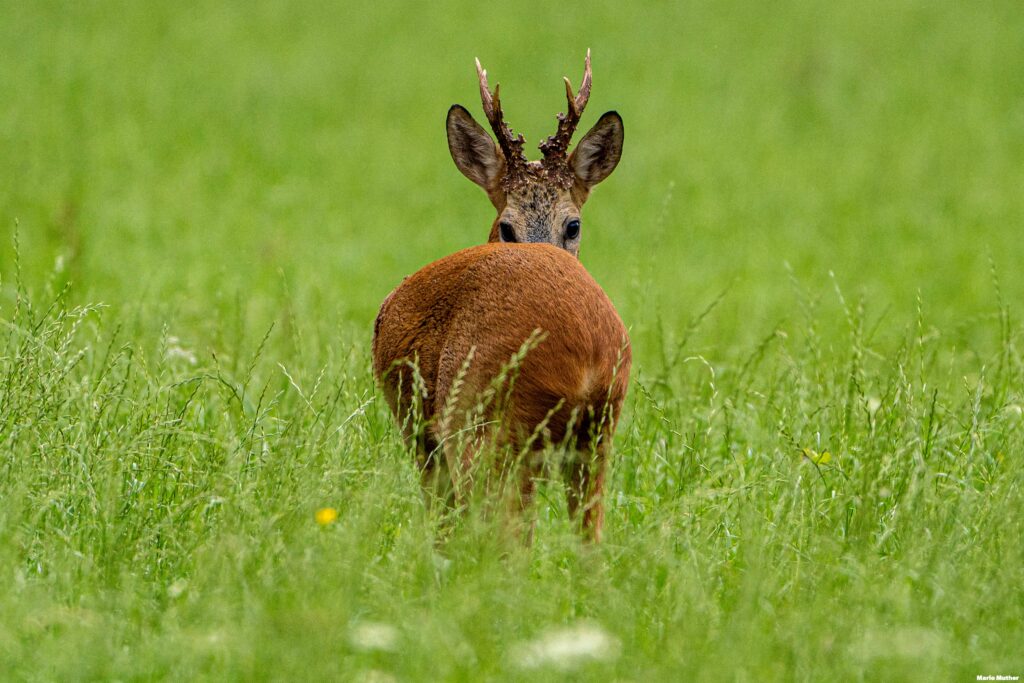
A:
(372, 635)
(175, 351)
(177, 588)
(567, 648)
(898, 643)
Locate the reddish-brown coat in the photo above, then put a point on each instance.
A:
(491, 299)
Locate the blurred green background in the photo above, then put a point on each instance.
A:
(169, 153)
(820, 478)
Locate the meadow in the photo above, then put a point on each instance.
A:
(814, 237)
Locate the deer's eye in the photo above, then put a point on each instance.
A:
(572, 229)
(507, 232)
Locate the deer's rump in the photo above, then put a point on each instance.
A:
(462, 319)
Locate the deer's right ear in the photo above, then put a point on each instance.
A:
(598, 153)
(473, 150)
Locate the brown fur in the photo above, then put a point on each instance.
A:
(446, 335)
(489, 300)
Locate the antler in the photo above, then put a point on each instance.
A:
(511, 145)
(555, 147)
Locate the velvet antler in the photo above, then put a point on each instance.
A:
(555, 147)
(511, 145)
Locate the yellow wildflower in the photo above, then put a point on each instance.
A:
(325, 516)
(817, 458)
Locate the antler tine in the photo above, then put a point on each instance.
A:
(511, 145)
(555, 147)
(578, 102)
(485, 92)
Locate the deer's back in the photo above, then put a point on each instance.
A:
(489, 300)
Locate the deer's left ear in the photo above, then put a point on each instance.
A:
(472, 149)
(598, 153)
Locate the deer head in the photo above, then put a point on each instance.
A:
(537, 201)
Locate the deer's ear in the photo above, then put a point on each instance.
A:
(473, 150)
(598, 153)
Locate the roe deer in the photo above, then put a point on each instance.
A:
(521, 311)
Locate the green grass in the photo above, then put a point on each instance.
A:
(814, 237)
